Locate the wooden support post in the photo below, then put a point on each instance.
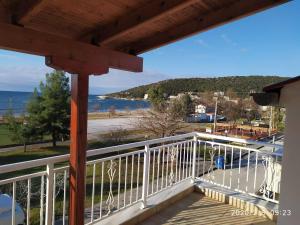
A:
(78, 147)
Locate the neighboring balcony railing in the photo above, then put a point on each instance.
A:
(120, 176)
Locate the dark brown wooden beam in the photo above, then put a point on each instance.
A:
(216, 18)
(39, 43)
(78, 147)
(150, 12)
(76, 67)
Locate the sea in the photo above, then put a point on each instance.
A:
(96, 103)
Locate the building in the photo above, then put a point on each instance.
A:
(200, 108)
(287, 94)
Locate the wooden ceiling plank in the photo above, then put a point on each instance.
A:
(26, 40)
(5, 16)
(148, 13)
(215, 18)
(27, 10)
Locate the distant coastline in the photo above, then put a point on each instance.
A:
(18, 101)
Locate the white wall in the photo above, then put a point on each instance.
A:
(290, 176)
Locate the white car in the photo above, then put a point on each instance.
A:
(5, 211)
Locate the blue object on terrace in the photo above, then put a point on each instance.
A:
(219, 162)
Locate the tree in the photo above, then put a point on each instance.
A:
(187, 104)
(50, 111)
(19, 131)
(161, 123)
(111, 111)
(96, 107)
(34, 118)
(232, 111)
(156, 97)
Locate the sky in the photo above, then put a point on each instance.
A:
(267, 43)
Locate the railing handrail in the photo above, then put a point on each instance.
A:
(93, 152)
(100, 151)
(237, 140)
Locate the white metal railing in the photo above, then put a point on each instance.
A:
(120, 176)
(255, 171)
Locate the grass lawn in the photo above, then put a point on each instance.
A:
(34, 153)
(4, 139)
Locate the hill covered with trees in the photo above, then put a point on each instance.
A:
(242, 85)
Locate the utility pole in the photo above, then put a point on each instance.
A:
(215, 117)
(270, 122)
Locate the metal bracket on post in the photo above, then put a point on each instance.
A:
(194, 159)
(145, 176)
(49, 194)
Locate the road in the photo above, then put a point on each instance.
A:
(100, 126)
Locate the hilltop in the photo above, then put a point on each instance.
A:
(242, 85)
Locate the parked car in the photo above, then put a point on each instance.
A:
(6, 212)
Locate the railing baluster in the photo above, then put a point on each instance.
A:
(191, 158)
(153, 172)
(167, 169)
(42, 201)
(145, 176)
(224, 171)
(255, 172)
(65, 197)
(240, 159)
(28, 200)
(131, 180)
(49, 194)
(158, 165)
(54, 193)
(231, 165)
(194, 159)
(125, 180)
(93, 192)
(119, 182)
(187, 159)
(199, 157)
(13, 208)
(183, 161)
(162, 169)
(176, 170)
(137, 178)
(204, 157)
(101, 192)
(180, 165)
(248, 165)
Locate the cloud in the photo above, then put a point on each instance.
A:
(228, 40)
(231, 42)
(9, 57)
(202, 43)
(117, 80)
(27, 77)
(22, 77)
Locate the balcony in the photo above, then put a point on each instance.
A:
(191, 178)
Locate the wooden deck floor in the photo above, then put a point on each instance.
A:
(197, 209)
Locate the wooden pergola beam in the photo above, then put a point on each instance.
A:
(216, 18)
(75, 67)
(150, 12)
(39, 43)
